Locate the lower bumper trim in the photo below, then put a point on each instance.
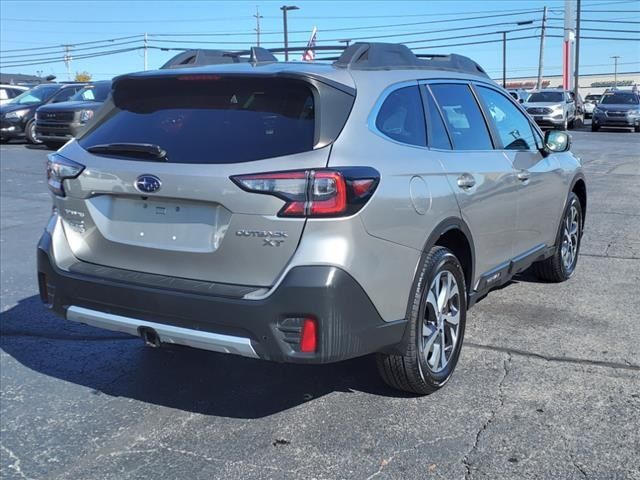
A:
(167, 333)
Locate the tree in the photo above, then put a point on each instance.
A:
(82, 77)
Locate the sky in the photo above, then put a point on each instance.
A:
(27, 27)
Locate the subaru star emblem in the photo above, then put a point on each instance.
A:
(148, 183)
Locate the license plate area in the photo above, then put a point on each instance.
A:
(164, 224)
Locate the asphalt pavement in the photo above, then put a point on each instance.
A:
(548, 385)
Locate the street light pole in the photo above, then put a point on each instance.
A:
(504, 49)
(285, 9)
(615, 71)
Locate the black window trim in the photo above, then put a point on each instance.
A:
(424, 91)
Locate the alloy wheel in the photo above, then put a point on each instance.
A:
(441, 321)
(570, 238)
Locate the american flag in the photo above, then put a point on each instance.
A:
(309, 54)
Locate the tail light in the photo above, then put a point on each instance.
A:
(59, 169)
(315, 193)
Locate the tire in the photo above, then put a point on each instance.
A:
(572, 124)
(413, 372)
(30, 133)
(562, 264)
(636, 129)
(594, 128)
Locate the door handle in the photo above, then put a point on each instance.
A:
(466, 181)
(523, 176)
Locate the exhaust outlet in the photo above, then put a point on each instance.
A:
(149, 336)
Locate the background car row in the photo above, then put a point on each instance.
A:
(51, 113)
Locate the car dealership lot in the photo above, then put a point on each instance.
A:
(548, 385)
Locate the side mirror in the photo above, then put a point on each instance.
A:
(521, 100)
(556, 141)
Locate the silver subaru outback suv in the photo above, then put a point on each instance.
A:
(308, 213)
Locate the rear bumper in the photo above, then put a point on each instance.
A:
(548, 121)
(348, 325)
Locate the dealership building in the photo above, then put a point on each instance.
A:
(592, 83)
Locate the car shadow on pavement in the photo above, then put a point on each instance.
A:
(178, 377)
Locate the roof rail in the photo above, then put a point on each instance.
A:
(386, 56)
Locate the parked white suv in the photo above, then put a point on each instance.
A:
(552, 108)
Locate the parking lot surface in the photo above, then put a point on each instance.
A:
(548, 384)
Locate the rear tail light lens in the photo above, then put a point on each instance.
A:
(315, 193)
(60, 169)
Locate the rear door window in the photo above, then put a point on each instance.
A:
(462, 116)
(209, 119)
(401, 117)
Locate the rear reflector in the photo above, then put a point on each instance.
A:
(315, 193)
(309, 337)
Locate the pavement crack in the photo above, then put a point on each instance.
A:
(549, 358)
(572, 457)
(383, 463)
(619, 257)
(15, 465)
(506, 365)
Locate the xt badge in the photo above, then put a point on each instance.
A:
(269, 238)
(268, 242)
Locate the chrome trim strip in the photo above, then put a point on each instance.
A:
(168, 334)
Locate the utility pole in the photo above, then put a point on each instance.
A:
(576, 79)
(258, 17)
(67, 60)
(541, 58)
(504, 59)
(285, 9)
(145, 51)
(615, 71)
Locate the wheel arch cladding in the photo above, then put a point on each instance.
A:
(454, 234)
(579, 187)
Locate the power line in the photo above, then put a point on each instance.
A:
(75, 57)
(177, 20)
(2, 57)
(75, 44)
(410, 15)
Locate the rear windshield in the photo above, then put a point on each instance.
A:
(209, 119)
(541, 97)
(620, 99)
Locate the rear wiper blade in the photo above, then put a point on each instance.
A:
(143, 151)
